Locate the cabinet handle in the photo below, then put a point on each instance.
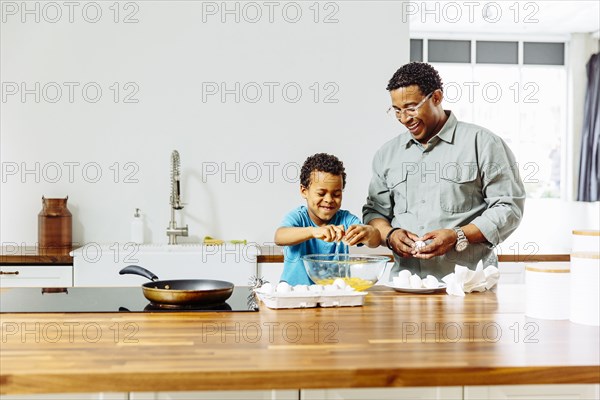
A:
(9, 273)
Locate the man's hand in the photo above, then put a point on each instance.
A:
(402, 242)
(329, 233)
(442, 241)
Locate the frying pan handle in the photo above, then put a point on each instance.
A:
(137, 270)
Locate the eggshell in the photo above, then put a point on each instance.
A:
(419, 244)
(431, 282)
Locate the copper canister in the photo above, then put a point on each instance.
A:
(55, 227)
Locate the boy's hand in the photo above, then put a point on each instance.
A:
(329, 233)
(361, 234)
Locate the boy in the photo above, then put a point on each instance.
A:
(318, 227)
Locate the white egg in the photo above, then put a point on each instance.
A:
(339, 282)
(416, 282)
(283, 287)
(315, 288)
(431, 282)
(300, 288)
(403, 279)
(266, 288)
(404, 274)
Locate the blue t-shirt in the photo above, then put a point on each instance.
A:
(293, 267)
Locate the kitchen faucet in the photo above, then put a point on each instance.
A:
(173, 230)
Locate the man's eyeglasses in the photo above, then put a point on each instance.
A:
(409, 111)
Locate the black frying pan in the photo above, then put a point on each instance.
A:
(181, 292)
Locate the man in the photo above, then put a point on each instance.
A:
(453, 185)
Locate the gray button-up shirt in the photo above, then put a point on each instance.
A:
(466, 174)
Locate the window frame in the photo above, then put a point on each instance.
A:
(567, 158)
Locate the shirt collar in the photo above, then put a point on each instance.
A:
(446, 133)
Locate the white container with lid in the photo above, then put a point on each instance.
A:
(585, 288)
(586, 241)
(548, 290)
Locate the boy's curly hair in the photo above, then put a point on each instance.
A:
(322, 162)
(416, 73)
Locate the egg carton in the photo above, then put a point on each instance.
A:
(341, 298)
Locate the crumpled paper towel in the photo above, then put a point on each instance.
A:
(464, 280)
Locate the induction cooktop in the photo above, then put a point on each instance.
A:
(107, 300)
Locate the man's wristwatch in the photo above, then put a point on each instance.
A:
(461, 242)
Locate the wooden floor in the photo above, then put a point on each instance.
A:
(396, 339)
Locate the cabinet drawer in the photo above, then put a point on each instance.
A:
(36, 276)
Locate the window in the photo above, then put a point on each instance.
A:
(521, 98)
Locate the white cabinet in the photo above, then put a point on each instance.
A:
(36, 276)
(412, 393)
(67, 396)
(99, 265)
(218, 395)
(532, 392)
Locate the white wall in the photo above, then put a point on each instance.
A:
(171, 55)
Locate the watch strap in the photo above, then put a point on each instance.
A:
(461, 237)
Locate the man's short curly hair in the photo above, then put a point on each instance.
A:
(416, 73)
(322, 162)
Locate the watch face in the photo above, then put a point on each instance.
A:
(460, 246)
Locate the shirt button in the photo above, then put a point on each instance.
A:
(421, 227)
(422, 201)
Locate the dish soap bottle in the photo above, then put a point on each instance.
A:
(137, 228)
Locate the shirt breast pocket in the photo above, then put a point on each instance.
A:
(456, 192)
(396, 183)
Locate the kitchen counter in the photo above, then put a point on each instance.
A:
(395, 339)
(274, 254)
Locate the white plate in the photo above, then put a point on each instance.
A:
(421, 290)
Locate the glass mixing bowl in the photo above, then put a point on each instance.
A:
(360, 271)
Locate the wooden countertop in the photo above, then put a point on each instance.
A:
(274, 254)
(396, 339)
(33, 255)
